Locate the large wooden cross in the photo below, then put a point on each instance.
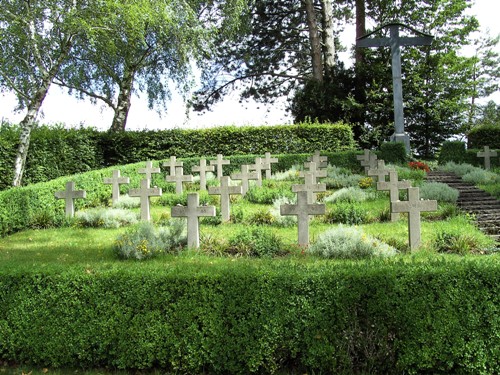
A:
(396, 42)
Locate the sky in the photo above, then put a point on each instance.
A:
(59, 107)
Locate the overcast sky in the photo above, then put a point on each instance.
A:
(59, 107)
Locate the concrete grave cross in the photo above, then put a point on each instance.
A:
(225, 191)
(245, 176)
(202, 169)
(487, 154)
(148, 170)
(116, 181)
(69, 194)
(303, 210)
(310, 186)
(179, 177)
(393, 186)
(268, 160)
(312, 168)
(144, 193)
(218, 163)
(395, 41)
(380, 171)
(321, 161)
(370, 163)
(172, 164)
(193, 212)
(258, 167)
(414, 206)
(365, 158)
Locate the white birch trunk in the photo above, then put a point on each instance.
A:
(314, 40)
(328, 35)
(123, 105)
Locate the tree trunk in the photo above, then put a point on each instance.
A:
(123, 104)
(314, 40)
(328, 39)
(360, 29)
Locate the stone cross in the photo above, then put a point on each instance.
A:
(370, 162)
(116, 181)
(380, 172)
(69, 194)
(310, 186)
(244, 176)
(268, 160)
(225, 191)
(193, 212)
(365, 157)
(487, 155)
(258, 167)
(393, 186)
(144, 193)
(149, 170)
(396, 42)
(179, 177)
(414, 206)
(302, 210)
(321, 161)
(202, 169)
(313, 168)
(172, 164)
(219, 162)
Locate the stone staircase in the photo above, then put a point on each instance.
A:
(485, 208)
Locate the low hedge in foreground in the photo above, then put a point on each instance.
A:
(241, 316)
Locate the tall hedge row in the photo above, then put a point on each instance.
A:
(485, 135)
(455, 151)
(56, 151)
(242, 317)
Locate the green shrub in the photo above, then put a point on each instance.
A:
(452, 151)
(393, 152)
(405, 173)
(262, 216)
(278, 219)
(481, 177)
(351, 195)
(349, 243)
(458, 169)
(454, 241)
(438, 191)
(347, 213)
(105, 217)
(256, 241)
(127, 202)
(267, 195)
(484, 135)
(145, 241)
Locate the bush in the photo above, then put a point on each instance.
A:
(438, 191)
(458, 169)
(267, 195)
(261, 217)
(349, 243)
(481, 177)
(145, 241)
(484, 135)
(105, 217)
(278, 219)
(418, 165)
(393, 152)
(126, 202)
(452, 151)
(351, 195)
(456, 242)
(347, 213)
(256, 241)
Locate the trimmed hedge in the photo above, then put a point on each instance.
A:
(56, 151)
(392, 317)
(484, 135)
(35, 206)
(455, 151)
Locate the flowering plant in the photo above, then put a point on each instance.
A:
(419, 166)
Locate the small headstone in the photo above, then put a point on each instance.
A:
(179, 177)
(245, 176)
(313, 169)
(258, 167)
(172, 164)
(202, 169)
(148, 170)
(414, 206)
(487, 154)
(380, 171)
(116, 181)
(193, 212)
(393, 186)
(321, 161)
(310, 186)
(144, 193)
(225, 191)
(218, 163)
(303, 210)
(69, 194)
(268, 160)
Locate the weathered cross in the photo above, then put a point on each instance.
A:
(149, 170)
(69, 194)
(380, 172)
(219, 162)
(258, 167)
(268, 160)
(179, 177)
(202, 169)
(487, 154)
(193, 212)
(224, 190)
(116, 181)
(396, 42)
(303, 210)
(144, 193)
(321, 161)
(313, 168)
(310, 186)
(393, 186)
(172, 164)
(414, 206)
(244, 176)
